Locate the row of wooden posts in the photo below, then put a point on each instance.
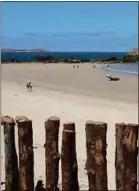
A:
(21, 177)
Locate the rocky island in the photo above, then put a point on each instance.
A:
(131, 57)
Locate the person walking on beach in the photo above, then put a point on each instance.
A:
(30, 86)
(27, 85)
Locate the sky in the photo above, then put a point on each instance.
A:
(70, 26)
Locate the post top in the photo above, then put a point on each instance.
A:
(95, 122)
(132, 124)
(54, 118)
(9, 119)
(69, 123)
(19, 119)
(100, 123)
(90, 122)
(121, 123)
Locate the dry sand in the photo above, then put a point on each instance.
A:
(74, 95)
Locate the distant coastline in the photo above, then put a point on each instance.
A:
(37, 55)
(26, 56)
(14, 50)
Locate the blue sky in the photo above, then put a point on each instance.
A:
(70, 26)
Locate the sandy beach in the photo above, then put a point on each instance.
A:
(73, 95)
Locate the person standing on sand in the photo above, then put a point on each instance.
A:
(30, 86)
(27, 85)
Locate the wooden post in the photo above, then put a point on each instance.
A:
(67, 161)
(52, 155)
(90, 150)
(11, 161)
(96, 163)
(71, 127)
(26, 154)
(130, 157)
(119, 159)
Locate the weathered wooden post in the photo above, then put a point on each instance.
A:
(90, 151)
(67, 161)
(26, 154)
(119, 157)
(52, 155)
(71, 127)
(96, 163)
(11, 162)
(130, 157)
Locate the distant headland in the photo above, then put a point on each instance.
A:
(24, 50)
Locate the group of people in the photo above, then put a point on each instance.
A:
(29, 86)
(75, 66)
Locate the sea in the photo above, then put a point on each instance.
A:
(129, 68)
(30, 56)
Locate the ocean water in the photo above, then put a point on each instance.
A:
(130, 68)
(30, 56)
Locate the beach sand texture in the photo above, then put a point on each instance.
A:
(73, 95)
